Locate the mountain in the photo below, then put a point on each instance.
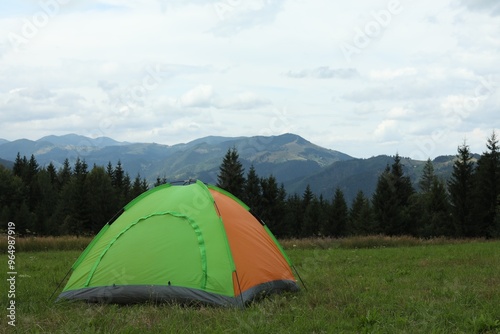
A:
(3, 141)
(293, 160)
(6, 163)
(287, 156)
(80, 141)
(362, 174)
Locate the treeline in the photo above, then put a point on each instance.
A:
(78, 201)
(71, 200)
(466, 205)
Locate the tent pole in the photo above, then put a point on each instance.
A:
(300, 278)
(59, 285)
(239, 287)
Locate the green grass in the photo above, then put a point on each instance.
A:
(426, 288)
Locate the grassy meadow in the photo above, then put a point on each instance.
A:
(357, 285)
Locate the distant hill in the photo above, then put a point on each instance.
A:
(6, 163)
(293, 160)
(287, 156)
(362, 174)
(73, 140)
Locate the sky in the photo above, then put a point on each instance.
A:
(364, 77)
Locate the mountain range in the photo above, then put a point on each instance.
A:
(293, 160)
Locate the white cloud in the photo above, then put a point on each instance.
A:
(324, 72)
(243, 101)
(388, 74)
(490, 6)
(166, 71)
(201, 97)
(388, 131)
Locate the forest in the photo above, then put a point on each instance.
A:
(74, 200)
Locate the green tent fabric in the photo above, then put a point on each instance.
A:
(190, 243)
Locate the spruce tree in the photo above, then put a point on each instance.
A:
(231, 173)
(307, 197)
(20, 166)
(361, 221)
(391, 199)
(487, 188)
(12, 196)
(439, 207)
(46, 182)
(101, 198)
(312, 215)
(338, 215)
(294, 216)
(64, 174)
(271, 208)
(428, 177)
(460, 187)
(253, 192)
(139, 186)
(159, 181)
(79, 189)
(51, 169)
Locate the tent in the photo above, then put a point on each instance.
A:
(182, 243)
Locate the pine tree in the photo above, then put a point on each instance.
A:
(338, 215)
(428, 177)
(12, 196)
(487, 188)
(20, 166)
(307, 197)
(127, 186)
(159, 181)
(138, 186)
(109, 169)
(231, 173)
(81, 209)
(361, 221)
(51, 170)
(30, 181)
(117, 177)
(64, 174)
(391, 199)
(272, 206)
(460, 188)
(46, 183)
(101, 198)
(312, 216)
(310, 224)
(253, 192)
(293, 217)
(439, 207)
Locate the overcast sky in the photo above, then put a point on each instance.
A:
(364, 77)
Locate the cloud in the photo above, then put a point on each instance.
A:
(107, 85)
(490, 6)
(388, 74)
(199, 97)
(36, 93)
(125, 68)
(244, 101)
(388, 131)
(236, 16)
(324, 72)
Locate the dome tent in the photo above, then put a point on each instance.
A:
(189, 243)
